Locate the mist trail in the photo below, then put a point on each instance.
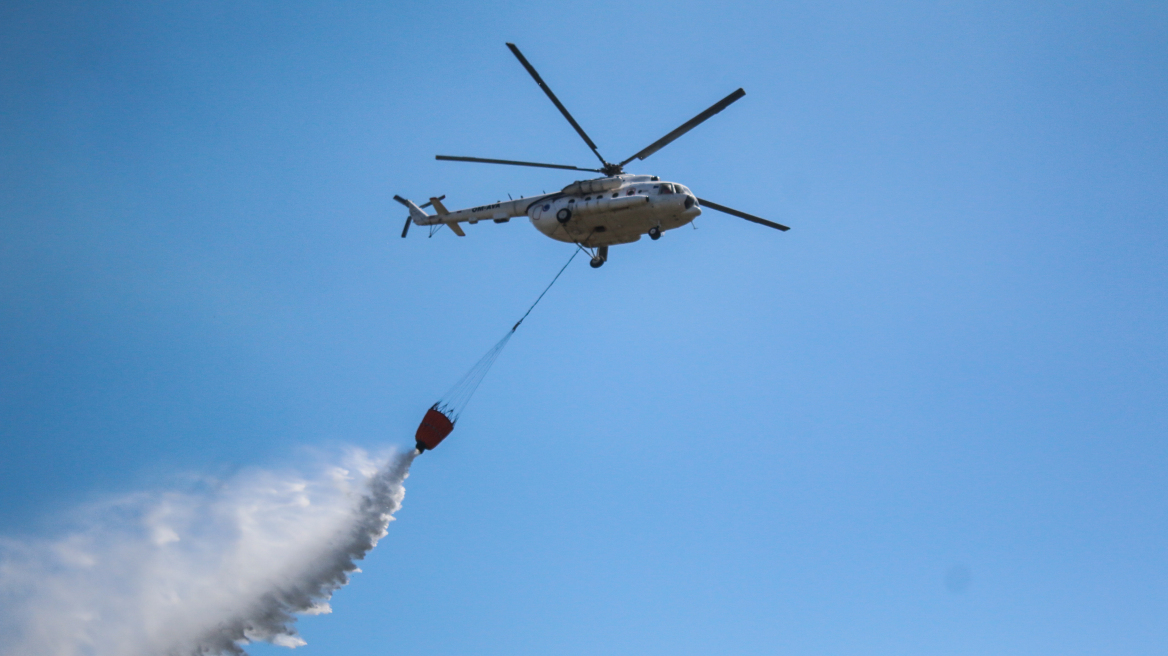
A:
(198, 573)
(272, 617)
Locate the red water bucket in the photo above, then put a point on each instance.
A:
(434, 428)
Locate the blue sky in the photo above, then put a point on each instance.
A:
(730, 440)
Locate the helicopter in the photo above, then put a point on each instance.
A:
(596, 213)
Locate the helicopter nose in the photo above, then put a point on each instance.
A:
(689, 201)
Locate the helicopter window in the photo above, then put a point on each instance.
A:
(571, 200)
(588, 198)
(666, 189)
(615, 194)
(546, 207)
(631, 192)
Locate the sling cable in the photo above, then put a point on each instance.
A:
(440, 418)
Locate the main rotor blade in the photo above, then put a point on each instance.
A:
(556, 101)
(743, 215)
(687, 126)
(406, 230)
(431, 201)
(480, 160)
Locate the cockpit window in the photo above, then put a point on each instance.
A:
(666, 189)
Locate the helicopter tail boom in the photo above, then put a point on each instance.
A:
(499, 212)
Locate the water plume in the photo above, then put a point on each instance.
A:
(198, 572)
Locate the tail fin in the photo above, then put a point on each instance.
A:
(437, 203)
(416, 212)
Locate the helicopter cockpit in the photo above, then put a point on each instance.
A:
(668, 188)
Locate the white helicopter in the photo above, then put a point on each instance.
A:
(593, 214)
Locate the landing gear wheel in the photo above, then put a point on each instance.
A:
(596, 263)
(564, 215)
(655, 233)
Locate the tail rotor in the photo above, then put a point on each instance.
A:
(414, 210)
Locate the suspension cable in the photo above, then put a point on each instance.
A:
(457, 397)
(574, 253)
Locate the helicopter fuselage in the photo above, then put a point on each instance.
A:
(593, 213)
(616, 215)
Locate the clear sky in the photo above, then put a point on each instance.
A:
(930, 418)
